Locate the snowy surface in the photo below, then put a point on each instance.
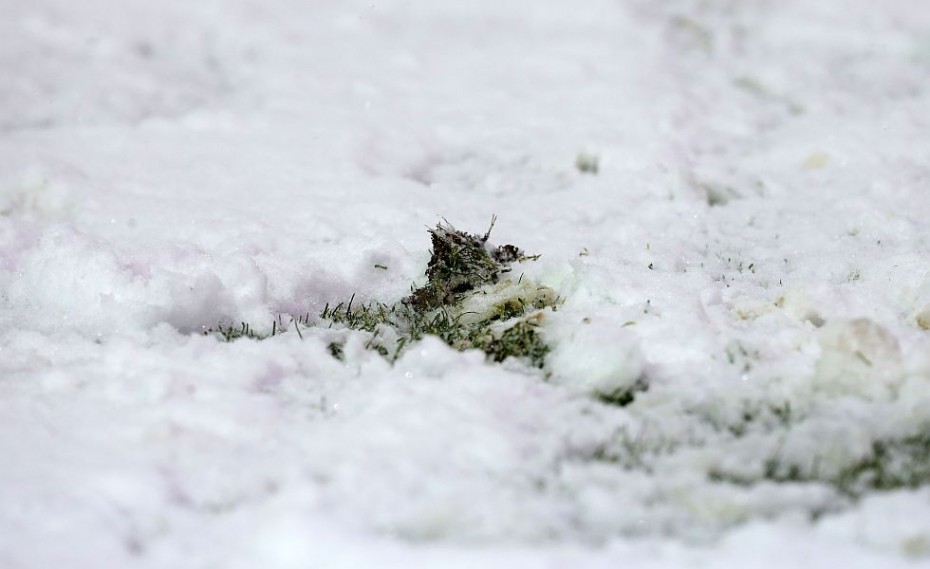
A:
(755, 246)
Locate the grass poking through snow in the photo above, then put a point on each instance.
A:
(467, 302)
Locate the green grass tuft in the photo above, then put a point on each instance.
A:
(231, 333)
(522, 340)
(463, 273)
(464, 302)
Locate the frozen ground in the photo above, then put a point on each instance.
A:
(755, 246)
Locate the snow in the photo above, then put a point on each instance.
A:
(753, 249)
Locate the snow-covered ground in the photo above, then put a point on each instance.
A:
(754, 247)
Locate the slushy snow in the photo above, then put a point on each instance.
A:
(750, 259)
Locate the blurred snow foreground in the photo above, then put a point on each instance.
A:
(730, 199)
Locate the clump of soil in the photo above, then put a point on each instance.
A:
(460, 263)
